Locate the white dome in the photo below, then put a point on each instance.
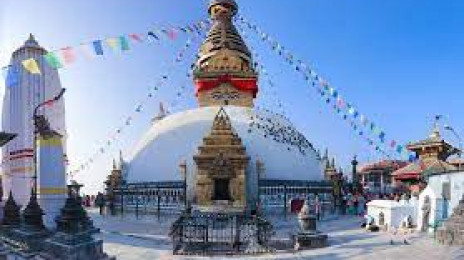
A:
(176, 137)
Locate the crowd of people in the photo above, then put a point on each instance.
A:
(353, 204)
(95, 201)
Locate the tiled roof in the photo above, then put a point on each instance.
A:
(428, 166)
(383, 164)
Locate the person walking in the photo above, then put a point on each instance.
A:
(361, 205)
(100, 202)
(317, 206)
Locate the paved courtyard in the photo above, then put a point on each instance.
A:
(146, 237)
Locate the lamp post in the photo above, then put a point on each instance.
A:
(36, 130)
(183, 172)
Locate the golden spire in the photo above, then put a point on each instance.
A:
(224, 73)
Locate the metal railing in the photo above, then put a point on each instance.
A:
(211, 233)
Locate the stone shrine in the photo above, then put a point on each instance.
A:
(308, 237)
(452, 231)
(73, 239)
(221, 165)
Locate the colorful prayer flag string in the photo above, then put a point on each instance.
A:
(129, 119)
(311, 76)
(68, 55)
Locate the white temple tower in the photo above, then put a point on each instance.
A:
(19, 103)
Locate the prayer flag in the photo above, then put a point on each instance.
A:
(393, 144)
(351, 110)
(363, 120)
(31, 66)
(112, 43)
(333, 92)
(152, 34)
(399, 148)
(136, 37)
(382, 136)
(53, 60)
(12, 76)
(171, 33)
(339, 102)
(68, 55)
(98, 48)
(124, 43)
(49, 102)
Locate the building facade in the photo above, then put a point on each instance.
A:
(432, 156)
(376, 176)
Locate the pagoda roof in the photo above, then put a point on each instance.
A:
(434, 139)
(421, 167)
(456, 161)
(383, 165)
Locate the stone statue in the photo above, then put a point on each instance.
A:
(425, 213)
(308, 237)
(306, 220)
(42, 126)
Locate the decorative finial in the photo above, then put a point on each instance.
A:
(31, 41)
(222, 8)
(436, 129)
(326, 153)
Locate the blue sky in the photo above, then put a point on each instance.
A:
(399, 62)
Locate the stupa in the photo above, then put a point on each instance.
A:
(225, 79)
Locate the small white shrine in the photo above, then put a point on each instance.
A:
(391, 213)
(438, 199)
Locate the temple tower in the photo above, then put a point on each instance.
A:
(221, 167)
(19, 103)
(433, 148)
(224, 73)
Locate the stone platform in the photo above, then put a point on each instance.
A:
(309, 240)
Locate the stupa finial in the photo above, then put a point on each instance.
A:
(224, 73)
(222, 8)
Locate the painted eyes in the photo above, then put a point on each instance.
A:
(222, 96)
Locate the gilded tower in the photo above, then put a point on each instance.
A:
(224, 73)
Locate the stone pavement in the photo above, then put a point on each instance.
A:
(129, 238)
